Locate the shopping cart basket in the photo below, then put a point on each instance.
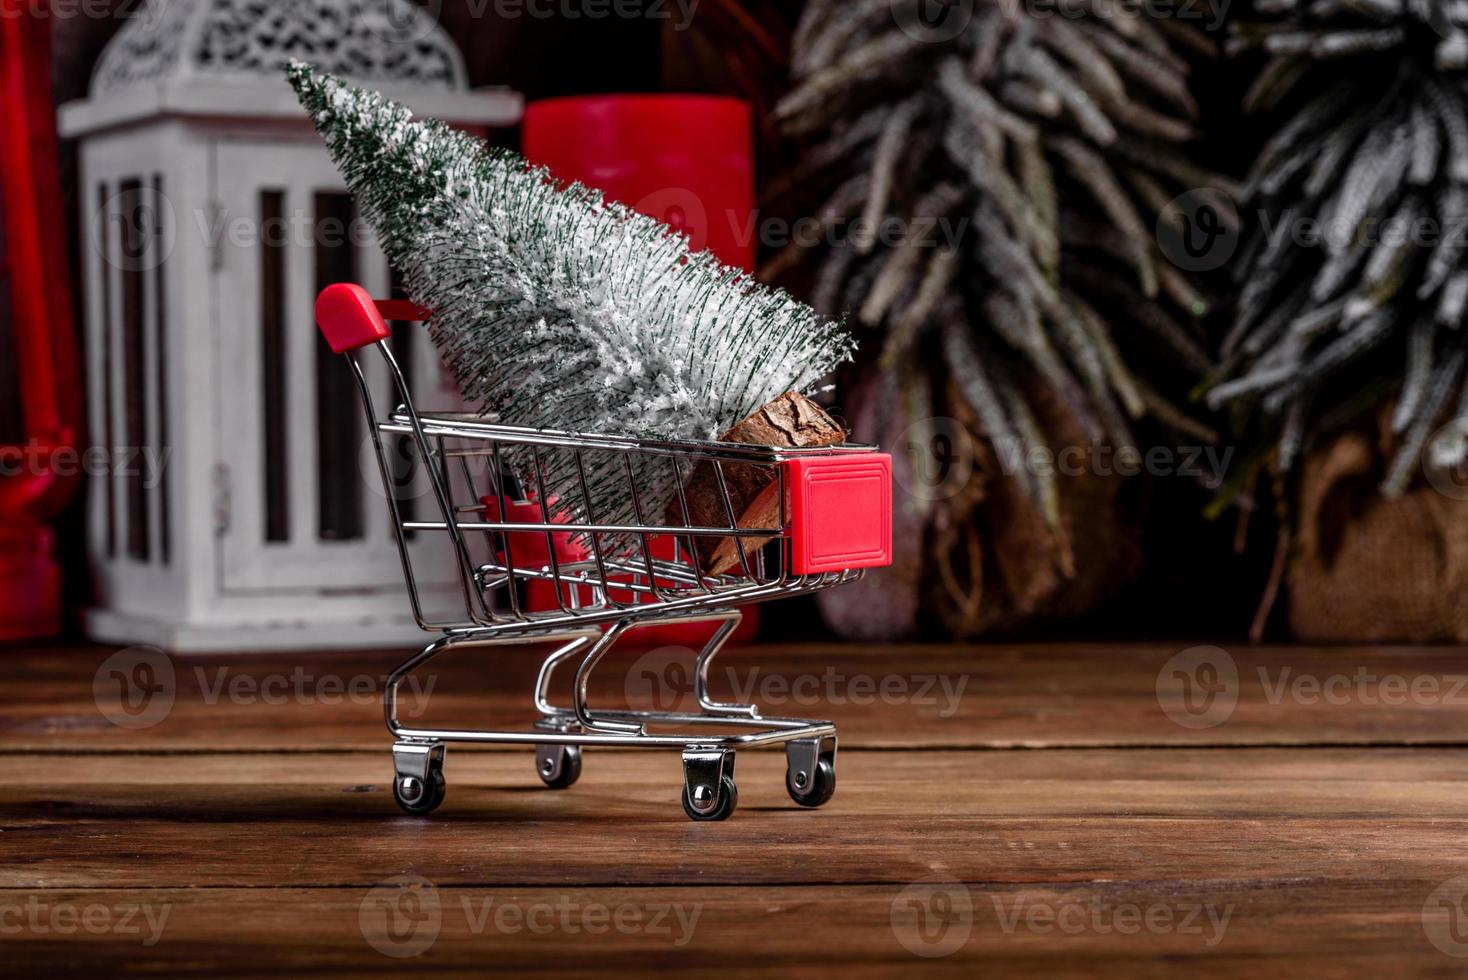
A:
(506, 533)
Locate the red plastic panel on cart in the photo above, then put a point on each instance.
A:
(840, 512)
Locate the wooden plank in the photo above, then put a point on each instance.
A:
(1086, 858)
(178, 821)
(882, 697)
(1292, 928)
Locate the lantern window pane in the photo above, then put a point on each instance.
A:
(404, 349)
(108, 338)
(275, 466)
(338, 410)
(134, 227)
(160, 340)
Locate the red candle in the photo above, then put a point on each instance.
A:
(687, 160)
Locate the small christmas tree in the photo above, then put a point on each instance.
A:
(557, 310)
(988, 180)
(1355, 287)
(1053, 143)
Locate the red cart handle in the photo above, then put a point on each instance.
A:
(351, 319)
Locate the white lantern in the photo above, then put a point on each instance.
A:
(242, 512)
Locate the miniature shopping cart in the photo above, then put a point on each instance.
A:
(509, 539)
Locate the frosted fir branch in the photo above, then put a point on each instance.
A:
(974, 128)
(553, 308)
(1381, 113)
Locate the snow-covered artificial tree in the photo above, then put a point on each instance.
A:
(558, 310)
(1354, 289)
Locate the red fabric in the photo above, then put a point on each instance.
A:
(45, 340)
(45, 333)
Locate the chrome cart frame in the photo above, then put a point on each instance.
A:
(605, 577)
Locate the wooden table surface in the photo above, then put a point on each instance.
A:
(1080, 809)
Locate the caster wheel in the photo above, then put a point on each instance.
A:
(417, 798)
(720, 809)
(812, 789)
(558, 765)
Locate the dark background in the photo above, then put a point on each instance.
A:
(1192, 585)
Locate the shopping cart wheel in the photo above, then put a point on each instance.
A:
(812, 789)
(558, 765)
(810, 770)
(418, 783)
(417, 797)
(709, 792)
(719, 808)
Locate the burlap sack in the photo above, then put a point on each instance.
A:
(885, 605)
(1370, 570)
(999, 568)
(981, 560)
